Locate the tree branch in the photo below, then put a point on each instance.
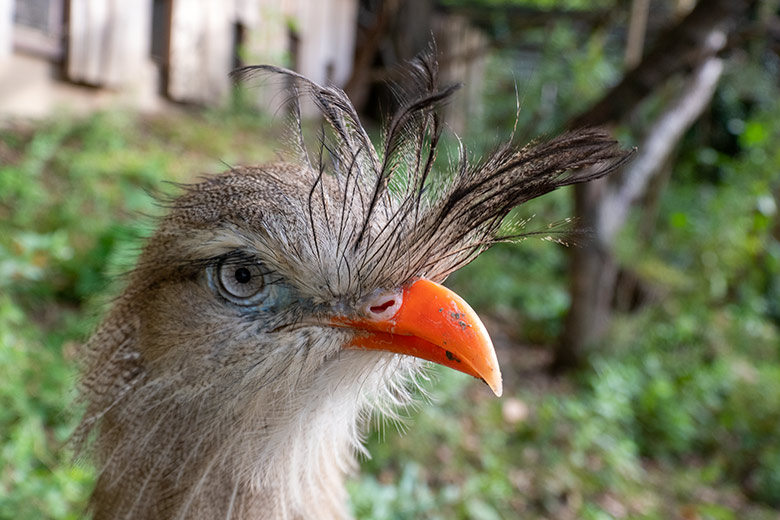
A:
(679, 49)
(657, 146)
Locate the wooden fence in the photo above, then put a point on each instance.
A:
(181, 50)
(88, 54)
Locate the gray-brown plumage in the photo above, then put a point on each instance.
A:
(220, 385)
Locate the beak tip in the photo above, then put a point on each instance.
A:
(497, 386)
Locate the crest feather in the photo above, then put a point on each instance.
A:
(414, 228)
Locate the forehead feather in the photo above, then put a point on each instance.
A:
(268, 211)
(251, 195)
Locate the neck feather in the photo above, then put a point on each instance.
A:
(282, 452)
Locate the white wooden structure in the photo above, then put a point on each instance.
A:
(87, 54)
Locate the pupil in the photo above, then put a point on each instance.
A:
(243, 275)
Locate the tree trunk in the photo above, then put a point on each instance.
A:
(637, 27)
(601, 206)
(396, 31)
(593, 275)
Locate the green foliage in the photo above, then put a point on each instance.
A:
(679, 413)
(514, 280)
(35, 483)
(677, 416)
(563, 72)
(670, 414)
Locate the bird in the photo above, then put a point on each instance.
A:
(276, 309)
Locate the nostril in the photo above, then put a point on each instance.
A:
(379, 309)
(382, 305)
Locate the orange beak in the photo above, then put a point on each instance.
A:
(429, 322)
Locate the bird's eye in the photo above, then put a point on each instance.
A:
(241, 283)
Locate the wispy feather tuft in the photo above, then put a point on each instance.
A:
(416, 228)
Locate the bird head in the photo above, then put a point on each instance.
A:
(277, 307)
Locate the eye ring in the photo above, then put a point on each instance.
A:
(240, 281)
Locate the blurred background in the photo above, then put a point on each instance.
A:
(642, 367)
